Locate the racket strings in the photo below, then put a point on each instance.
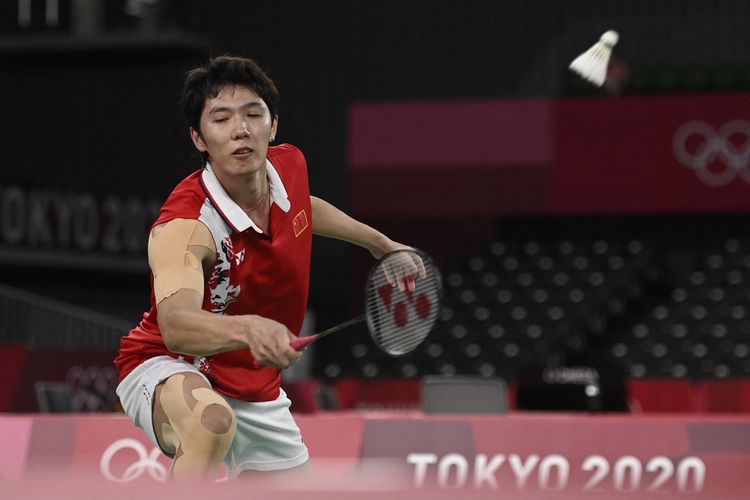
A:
(398, 320)
(398, 341)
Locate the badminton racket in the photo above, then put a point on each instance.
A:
(402, 302)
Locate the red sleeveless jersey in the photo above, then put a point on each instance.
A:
(255, 272)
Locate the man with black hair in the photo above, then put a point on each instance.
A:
(230, 261)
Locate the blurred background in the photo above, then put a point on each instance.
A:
(594, 241)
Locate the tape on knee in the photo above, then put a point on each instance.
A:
(197, 415)
(173, 264)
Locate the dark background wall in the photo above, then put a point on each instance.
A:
(89, 106)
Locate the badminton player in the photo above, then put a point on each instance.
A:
(230, 264)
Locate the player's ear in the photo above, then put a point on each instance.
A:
(274, 127)
(198, 140)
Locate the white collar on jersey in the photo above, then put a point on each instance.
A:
(236, 217)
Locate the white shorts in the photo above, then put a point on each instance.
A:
(267, 436)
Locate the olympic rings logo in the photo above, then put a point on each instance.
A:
(147, 462)
(729, 146)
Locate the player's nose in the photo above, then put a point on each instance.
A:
(240, 130)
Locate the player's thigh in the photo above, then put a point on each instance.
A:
(185, 402)
(267, 438)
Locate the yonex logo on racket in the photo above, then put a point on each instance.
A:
(716, 156)
(421, 304)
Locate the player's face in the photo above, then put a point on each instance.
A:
(236, 127)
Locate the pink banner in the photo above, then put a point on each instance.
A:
(652, 154)
(15, 433)
(450, 134)
(450, 159)
(576, 156)
(518, 454)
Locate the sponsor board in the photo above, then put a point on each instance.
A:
(694, 457)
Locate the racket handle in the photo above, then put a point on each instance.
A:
(300, 343)
(297, 344)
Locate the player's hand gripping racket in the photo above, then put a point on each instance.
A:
(402, 302)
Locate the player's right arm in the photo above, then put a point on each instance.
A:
(179, 251)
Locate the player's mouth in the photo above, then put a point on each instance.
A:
(242, 153)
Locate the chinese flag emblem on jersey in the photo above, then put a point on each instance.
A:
(299, 223)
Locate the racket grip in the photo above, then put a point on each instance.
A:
(300, 343)
(297, 344)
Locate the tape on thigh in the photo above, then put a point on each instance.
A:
(197, 415)
(173, 264)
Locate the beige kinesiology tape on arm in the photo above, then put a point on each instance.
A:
(172, 262)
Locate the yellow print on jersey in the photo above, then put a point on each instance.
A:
(299, 223)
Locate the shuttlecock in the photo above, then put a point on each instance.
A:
(592, 64)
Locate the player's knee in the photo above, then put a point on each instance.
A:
(218, 419)
(194, 409)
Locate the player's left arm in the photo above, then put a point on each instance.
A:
(331, 222)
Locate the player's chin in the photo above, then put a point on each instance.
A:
(243, 164)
